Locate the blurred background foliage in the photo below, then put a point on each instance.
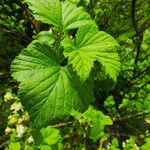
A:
(127, 102)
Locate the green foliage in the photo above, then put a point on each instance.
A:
(50, 136)
(130, 144)
(15, 146)
(46, 37)
(146, 146)
(95, 119)
(89, 46)
(81, 1)
(19, 130)
(11, 15)
(114, 145)
(51, 139)
(109, 104)
(62, 15)
(71, 65)
(48, 90)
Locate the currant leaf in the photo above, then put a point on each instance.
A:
(63, 15)
(92, 45)
(47, 90)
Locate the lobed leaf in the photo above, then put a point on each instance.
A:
(33, 58)
(73, 16)
(50, 135)
(48, 91)
(91, 45)
(47, 11)
(63, 15)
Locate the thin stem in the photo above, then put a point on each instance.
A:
(24, 36)
(63, 124)
(131, 116)
(100, 144)
(3, 144)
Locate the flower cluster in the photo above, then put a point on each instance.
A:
(18, 118)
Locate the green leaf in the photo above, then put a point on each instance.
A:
(47, 11)
(50, 135)
(146, 146)
(45, 147)
(48, 91)
(63, 15)
(114, 144)
(73, 16)
(91, 45)
(37, 136)
(27, 147)
(15, 146)
(81, 1)
(75, 1)
(46, 37)
(126, 35)
(37, 56)
(95, 119)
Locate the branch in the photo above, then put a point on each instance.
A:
(139, 39)
(3, 144)
(121, 134)
(63, 124)
(133, 16)
(14, 32)
(131, 116)
(100, 144)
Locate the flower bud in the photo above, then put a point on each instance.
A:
(20, 130)
(16, 106)
(30, 140)
(8, 130)
(7, 97)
